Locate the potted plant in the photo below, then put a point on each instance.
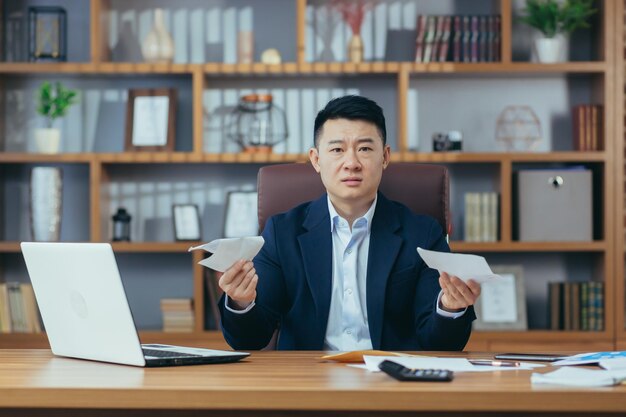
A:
(556, 20)
(52, 103)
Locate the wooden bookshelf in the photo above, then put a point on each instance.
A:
(607, 78)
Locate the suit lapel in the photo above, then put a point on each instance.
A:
(316, 249)
(384, 248)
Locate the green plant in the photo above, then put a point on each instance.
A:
(54, 101)
(552, 17)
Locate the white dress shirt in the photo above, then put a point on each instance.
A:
(347, 327)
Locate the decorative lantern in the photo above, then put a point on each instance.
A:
(121, 225)
(47, 33)
(518, 127)
(257, 123)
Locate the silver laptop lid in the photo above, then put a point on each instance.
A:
(82, 301)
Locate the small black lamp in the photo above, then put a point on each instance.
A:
(121, 225)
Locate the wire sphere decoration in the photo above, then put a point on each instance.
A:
(257, 124)
(519, 129)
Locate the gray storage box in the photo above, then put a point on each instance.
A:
(554, 205)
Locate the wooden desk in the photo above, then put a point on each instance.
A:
(34, 383)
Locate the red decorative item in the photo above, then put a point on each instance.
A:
(353, 12)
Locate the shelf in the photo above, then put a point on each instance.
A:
(123, 247)
(150, 247)
(93, 68)
(496, 157)
(541, 335)
(308, 68)
(208, 339)
(243, 157)
(47, 158)
(456, 246)
(598, 246)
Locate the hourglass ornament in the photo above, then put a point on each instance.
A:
(518, 127)
(257, 124)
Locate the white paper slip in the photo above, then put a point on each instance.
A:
(452, 364)
(613, 364)
(579, 377)
(462, 265)
(228, 251)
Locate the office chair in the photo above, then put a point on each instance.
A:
(422, 188)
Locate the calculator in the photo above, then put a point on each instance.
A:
(402, 373)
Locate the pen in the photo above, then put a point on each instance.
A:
(486, 362)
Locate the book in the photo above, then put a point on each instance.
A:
(420, 37)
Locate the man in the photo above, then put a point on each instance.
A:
(342, 272)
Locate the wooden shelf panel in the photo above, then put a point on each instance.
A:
(496, 157)
(10, 247)
(208, 339)
(123, 247)
(150, 247)
(292, 68)
(97, 68)
(47, 158)
(542, 336)
(459, 246)
(242, 157)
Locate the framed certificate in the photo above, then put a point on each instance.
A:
(150, 119)
(186, 222)
(502, 303)
(241, 217)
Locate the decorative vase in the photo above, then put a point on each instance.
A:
(551, 50)
(48, 140)
(355, 48)
(45, 203)
(158, 46)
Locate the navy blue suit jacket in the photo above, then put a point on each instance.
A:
(295, 282)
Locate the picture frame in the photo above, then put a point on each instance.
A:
(186, 222)
(502, 303)
(241, 218)
(150, 119)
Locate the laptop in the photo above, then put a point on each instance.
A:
(85, 311)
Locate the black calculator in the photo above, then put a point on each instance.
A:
(402, 373)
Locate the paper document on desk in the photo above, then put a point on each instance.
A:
(590, 358)
(228, 251)
(579, 377)
(462, 265)
(430, 362)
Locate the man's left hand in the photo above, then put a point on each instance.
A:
(457, 295)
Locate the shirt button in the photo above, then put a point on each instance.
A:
(348, 331)
(349, 291)
(349, 251)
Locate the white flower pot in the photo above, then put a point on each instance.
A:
(48, 140)
(551, 50)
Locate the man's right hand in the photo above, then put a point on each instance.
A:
(239, 283)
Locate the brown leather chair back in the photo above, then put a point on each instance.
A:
(423, 188)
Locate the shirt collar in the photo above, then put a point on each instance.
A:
(368, 216)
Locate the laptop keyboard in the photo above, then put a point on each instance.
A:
(166, 354)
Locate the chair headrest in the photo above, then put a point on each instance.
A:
(422, 188)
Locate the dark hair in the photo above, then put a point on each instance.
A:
(351, 108)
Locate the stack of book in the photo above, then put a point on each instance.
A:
(458, 38)
(18, 309)
(576, 306)
(481, 217)
(587, 127)
(177, 314)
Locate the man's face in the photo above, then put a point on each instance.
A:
(350, 158)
